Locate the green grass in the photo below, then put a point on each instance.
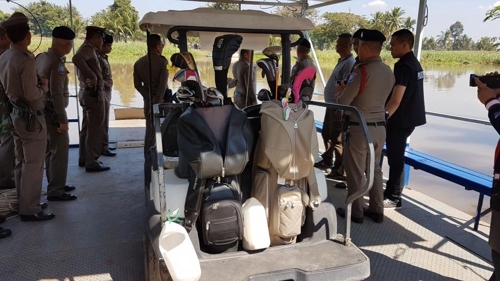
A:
(129, 52)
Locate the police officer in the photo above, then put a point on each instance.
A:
(368, 88)
(92, 99)
(7, 155)
(332, 126)
(303, 60)
(51, 65)
(406, 110)
(26, 92)
(241, 71)
(102, 54)
(159, 83)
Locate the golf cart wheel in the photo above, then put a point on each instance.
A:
(156, 269)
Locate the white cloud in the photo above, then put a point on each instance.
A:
(380, 3)
(481, 7)
(497, 3)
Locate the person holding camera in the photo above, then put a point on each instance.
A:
(490, 98)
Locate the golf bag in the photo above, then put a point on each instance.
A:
(224, 48)
(301, 84)
(268, 67)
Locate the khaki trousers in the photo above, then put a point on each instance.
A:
(30, 154)
(56, 159)
(355, 160)
(92, 133)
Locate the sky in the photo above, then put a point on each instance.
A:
(442, 13)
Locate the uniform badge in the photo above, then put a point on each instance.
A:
(351, 78)
(61, 68)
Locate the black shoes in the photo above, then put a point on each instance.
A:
(108, 153)
(341, 212)
(376, 217)
(62, 197)
(4, 233)
(69, 188)
(42, 216)
(100, 168)
(335, 175)
(44, 205)
(341, 185)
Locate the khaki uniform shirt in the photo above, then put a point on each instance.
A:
(159, 77)
(241, 70)
(106, 69)
(5, 121)
(368, 96)
(88, 66)
(52, 66)
(19, 77)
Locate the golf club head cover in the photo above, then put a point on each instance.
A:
(273, 52)
(223, 50)
(268, 67)
(302, 80)
(183, 60)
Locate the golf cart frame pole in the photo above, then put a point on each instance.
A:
(286, 59)
(318, 66)
(421, 23)
(249, 78)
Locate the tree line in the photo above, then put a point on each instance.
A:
(121, 20)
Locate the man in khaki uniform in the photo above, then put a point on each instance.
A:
(51, 65)
(7, 155)
(102, 54)
(92, 99)
(303, 60)
(241, 70)
(368, 88)
(26, 92)
(159, 84)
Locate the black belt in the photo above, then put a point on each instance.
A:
(18, 111)
(381, 123)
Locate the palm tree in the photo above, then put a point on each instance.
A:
(409, 23)
(395, 19)
(492, 14)
(379, 22)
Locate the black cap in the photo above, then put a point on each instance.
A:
(63, 32)
(108, 39)
(357, 34)
(16, 20)
(95, 30)
(372, 35)
(305, 43)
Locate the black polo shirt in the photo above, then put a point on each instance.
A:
(411, 111)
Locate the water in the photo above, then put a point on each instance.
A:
(446, 91)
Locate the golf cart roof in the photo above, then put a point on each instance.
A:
(312, 4)
(209, 19)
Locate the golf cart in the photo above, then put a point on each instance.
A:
(320, 253)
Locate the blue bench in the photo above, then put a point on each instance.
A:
(467, 178)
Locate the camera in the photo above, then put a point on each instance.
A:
(492, 82)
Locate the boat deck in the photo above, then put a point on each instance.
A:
(100, 236)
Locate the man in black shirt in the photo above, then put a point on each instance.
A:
(405, 109)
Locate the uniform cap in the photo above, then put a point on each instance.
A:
(63, 32)
(372, 35)
(108, 39)
(305, 43)
(15, 20)
(95, 30)
(357, 34)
